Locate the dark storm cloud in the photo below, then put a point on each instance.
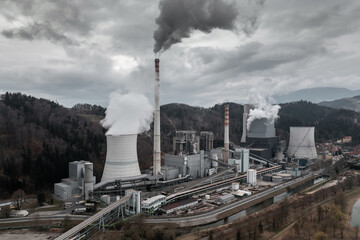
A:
(178, 18)
(39, 31)
(68, 49)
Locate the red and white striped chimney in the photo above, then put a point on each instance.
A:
(157, 149)
(226, 133)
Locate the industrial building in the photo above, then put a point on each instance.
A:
(153, 203)
(225, 198)
(206, 140)
(186, 143)
(302, 143)
(80, 181)
(193, 165)
(261, 138)
(251, 177)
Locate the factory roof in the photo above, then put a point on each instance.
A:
(257, 149)
(226, 197)
(153, 199)
(179, 203)
(63, 185)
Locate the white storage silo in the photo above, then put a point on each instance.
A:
(251, 177)
(88, 180)
(302, 143)
(121, 157)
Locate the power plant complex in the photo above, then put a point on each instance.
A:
(218, 175)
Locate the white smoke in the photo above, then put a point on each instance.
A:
(262, 109)
(129, 113)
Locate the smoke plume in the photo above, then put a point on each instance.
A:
(178, 18)
(262, 109)
(127, 114)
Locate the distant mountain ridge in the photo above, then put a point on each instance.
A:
(316, 95)
(352, 103)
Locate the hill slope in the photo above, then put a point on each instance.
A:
(345, 103)
(39, 137)
(316, 95)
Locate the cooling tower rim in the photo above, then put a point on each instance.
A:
(119, 135)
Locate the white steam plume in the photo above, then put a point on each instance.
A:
(262, 109)
(129, 113)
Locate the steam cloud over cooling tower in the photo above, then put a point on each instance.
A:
(178, 18)
(126, 116)
(302, 143)
(262, 110)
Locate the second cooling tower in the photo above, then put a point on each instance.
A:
(121, 157)
(302, 143)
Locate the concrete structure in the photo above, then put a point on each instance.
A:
(261, 136)
(206, 140)
(251, 177)
(302, 143)
(235, 186)
(153, 203)
(186, 143)
(134, 204)
(106, 199)
(216, 152)
(80, 182)
(179, 205)
(243, 155)
(277, 179)
(225, 198)
(193, 165)
(170, 172)
(121, 157)
(262, 128)
(88, 180)
(157, 148)
(226, 134)
(267, 177)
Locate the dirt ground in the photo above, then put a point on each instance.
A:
(27, 234)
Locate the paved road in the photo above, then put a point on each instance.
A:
(212, 216)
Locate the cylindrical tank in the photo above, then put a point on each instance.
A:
(138, 202)
(235, 186)
(89, 173)
(88, 180)
(277, 179)
(121, 157)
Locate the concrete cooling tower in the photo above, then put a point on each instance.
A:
(121, 157)
(302, 143)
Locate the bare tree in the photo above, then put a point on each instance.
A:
(18, 197)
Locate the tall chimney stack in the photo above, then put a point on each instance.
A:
(157, 150)
(226, 133)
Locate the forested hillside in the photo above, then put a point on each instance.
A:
(37, 140)
(39, 137)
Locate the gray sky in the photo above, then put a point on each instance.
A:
(79, 51)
